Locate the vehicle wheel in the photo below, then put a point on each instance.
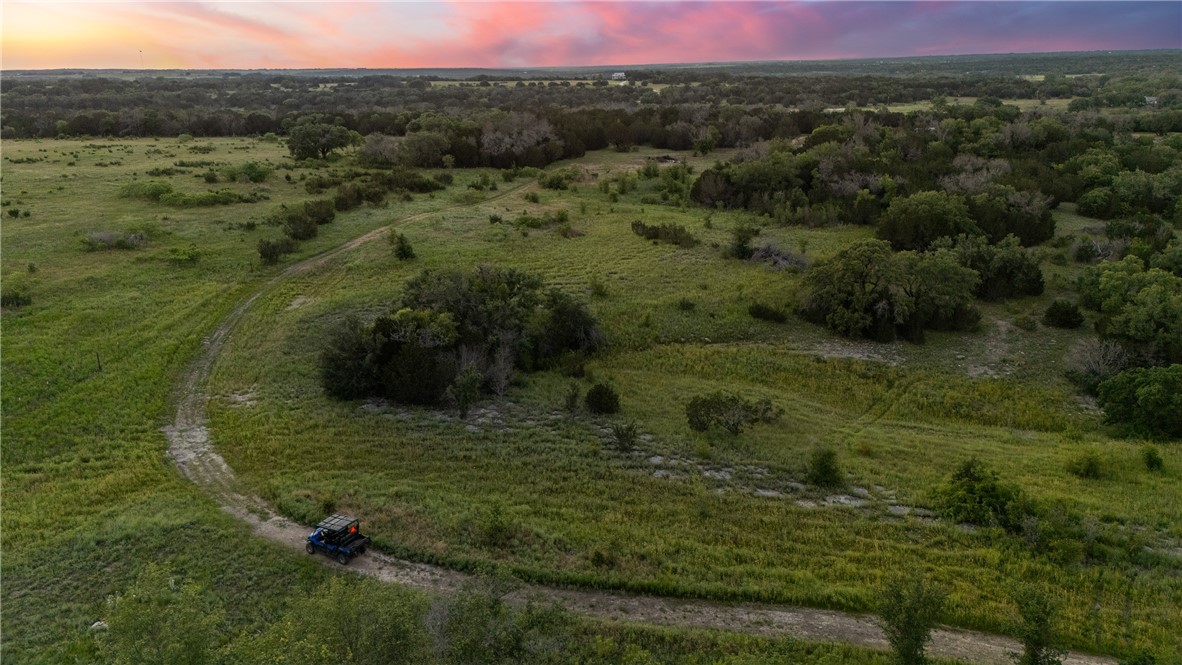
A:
(343, 559)
(309, 548)
(361, 550)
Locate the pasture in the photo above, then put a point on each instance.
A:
(526, 485)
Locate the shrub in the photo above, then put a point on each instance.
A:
(159, 620)
(974, 495)
(464, 390)
(741, 237)
(402, 246)
(15, 294)
(1036, 629)
(348, 196)
(14, 212)
(248, 172)
(1152, 458)
(909, 609)
(297, 225)
(1086, 465)
(271, 250)
(188, 254)
(686, 305)
(767, 313)
(1145, 402)
(344, 372)
(602, 399)
(624, 435)
(729, 411)
(491, 319)
(1005, 269)
(1063, 314)
(914, 222)
(823, 470)
(320, 211)
(674, 234)
(558, 179)
(571, 397)
(148, 190)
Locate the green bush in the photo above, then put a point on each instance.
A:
(741, 237)
(297, 225)
(674, 234)
(602, 399)
(348, 196)
(624, 436)
(15, 294)
(1145, 402)
(729, 411)
(767, 313)
(910, 608)
(248, 172)
(1063, 314)
(974, 495)
(1086, 465)
(402, 247)
(916, 221)
(570, 399)
(1036, 629)
(823, 470)
(1152, 458)
(320, 211)
(270, 251)
(464, 390)
(496, 320)
(188, 254)
(148, 190)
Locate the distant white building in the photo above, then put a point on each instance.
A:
(619, 76)
(1151, 101)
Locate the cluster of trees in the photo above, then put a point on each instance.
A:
(975, 494)
(455, 335)
(866, 290)
(255, 104)
(160, 620)
(1138, 375)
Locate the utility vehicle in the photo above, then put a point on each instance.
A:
(338, 537)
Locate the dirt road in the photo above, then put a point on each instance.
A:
(191, 449)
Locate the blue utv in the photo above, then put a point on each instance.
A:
(338, 537)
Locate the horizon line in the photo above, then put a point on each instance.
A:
(591, 66)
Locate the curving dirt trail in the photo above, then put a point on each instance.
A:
(190, 448)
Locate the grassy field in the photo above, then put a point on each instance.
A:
(89, 494)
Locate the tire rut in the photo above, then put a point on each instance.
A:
(192, 451)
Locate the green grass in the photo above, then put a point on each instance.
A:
(89, 494)
(427, 486)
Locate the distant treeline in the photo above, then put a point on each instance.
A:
(256, 104)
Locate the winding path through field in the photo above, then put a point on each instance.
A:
(192, 450)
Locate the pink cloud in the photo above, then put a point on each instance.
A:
(518, 34)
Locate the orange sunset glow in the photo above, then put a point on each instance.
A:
(160, 35)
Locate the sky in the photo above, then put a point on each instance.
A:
(544, 33)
